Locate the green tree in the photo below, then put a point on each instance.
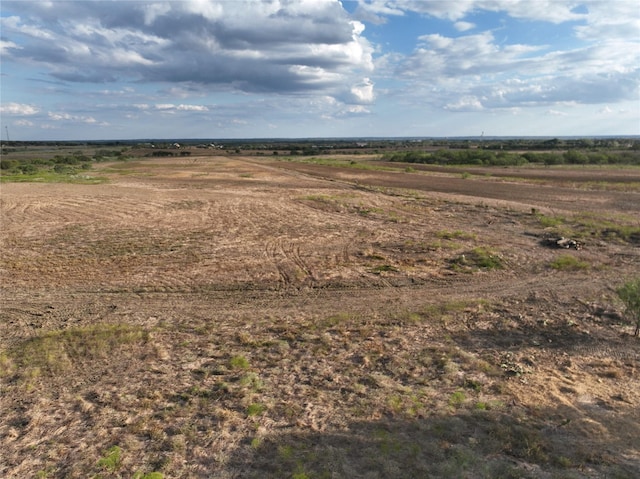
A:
(629, 293)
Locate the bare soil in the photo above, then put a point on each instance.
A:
(251, 317)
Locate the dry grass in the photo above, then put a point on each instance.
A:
(232, 327)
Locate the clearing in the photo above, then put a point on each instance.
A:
(239, 316)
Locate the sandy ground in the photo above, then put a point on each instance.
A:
(335, 284)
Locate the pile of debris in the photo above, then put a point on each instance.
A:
(562, 242)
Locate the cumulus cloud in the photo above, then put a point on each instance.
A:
(499, 75)
(546, 10)
(464, 26)
(466, 103)
(556, 113)
(18, 109)
(267, 46)
(63, 116)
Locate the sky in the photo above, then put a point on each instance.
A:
(105, 70)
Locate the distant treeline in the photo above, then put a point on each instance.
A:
(163, 153)
(508, 158)
(59, 163)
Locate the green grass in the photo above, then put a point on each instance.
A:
(58, 351)
(568, 262)
(585, 226)
(478, 258)
(342, 163)
(112, 459)
(255, 409)
(384, 268)
(456, 400)
(148, 475)
(457, 234)
(239, 362)
(629, 294)
(50, 176)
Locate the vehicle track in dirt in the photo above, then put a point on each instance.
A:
(337, 287)
(540, 196)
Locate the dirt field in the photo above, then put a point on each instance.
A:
(236, 317)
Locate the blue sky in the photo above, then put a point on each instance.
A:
(74, 70)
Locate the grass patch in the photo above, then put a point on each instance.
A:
(478, 258)
(59, 351)
(255, 409)
(51, 176)
(456, 400)
(621, 229)
(148, 475)
(384, 268)
(239, 362)
(457, 234)
(629, 293)
(112, 459)
(568, 262)
(342, 163)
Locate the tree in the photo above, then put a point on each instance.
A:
(629, 293)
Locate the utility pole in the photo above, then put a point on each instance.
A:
(7, 128)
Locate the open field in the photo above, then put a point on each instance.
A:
(245, 316)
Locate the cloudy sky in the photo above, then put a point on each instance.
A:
(318, 68)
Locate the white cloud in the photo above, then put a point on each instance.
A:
(467, 103)
(62, 117)
(310, 46)
(500, 75)
(363, 92)
(5, 46)
(610, 20)
(464, 26)
(192, 108)
(19, 109)
(547, 10)
(249, 66)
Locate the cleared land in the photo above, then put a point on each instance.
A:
(217, 316)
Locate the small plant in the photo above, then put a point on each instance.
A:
(456, 399)
(256, 442)
(112, 459)
(629, 293)
(239, 362)
(251, 381)
(549, 221)
(568, 262)
(457, 234)
(148, 475)
(384, 268)
(255, 409)
(477, 258)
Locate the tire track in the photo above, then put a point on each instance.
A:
(292, 269)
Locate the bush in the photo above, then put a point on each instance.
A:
(8, 164)
(629, 293)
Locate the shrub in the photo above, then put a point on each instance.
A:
(629, 293)
(111, 460)
(255, 409)
(239, 362)
(8, 164)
